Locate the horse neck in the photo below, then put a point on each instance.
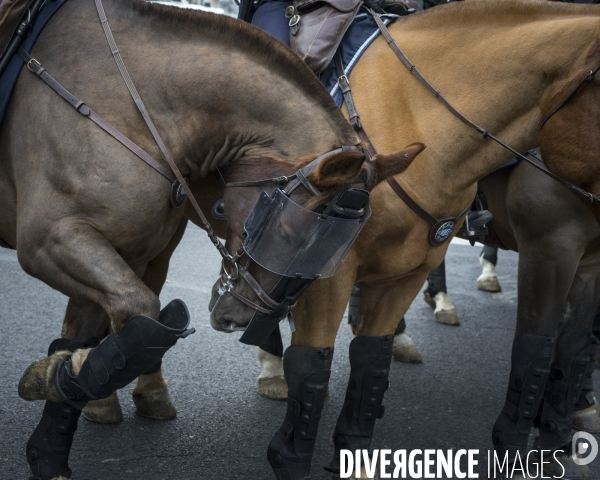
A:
(214, 101)
(503, 72)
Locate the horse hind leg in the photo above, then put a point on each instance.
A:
(488, 280)
(436, 296)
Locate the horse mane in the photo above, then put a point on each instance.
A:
(253, 42)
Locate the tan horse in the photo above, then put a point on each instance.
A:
(505, 65)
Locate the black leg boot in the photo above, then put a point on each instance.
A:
(121, 358)
(370, 359)
(274, 344)
(530, 367)
(436, 281)
(49, 446)
(586, 416)
(307, 371)
(564, 387)
(354, 306)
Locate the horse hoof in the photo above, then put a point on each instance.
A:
(37, 383)
(488, 284)
(273, 388)
(104, 411)
(587, 420)
(404, 349)
(444, 310)
(155, 405)
(447, 317)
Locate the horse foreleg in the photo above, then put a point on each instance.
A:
(307, 367)
(404, 349)
(488, 280)
(370, 360)
(271, 381)
(84, 321)
(572, 357)
(436, 296)
(151, 395)
(546, 272)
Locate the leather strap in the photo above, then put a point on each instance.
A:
(406, 198)
(344, 85)
(587, 79)
(590, 197)
(161, 145)
(35, 67)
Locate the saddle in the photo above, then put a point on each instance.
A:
(11, 12)
(318, 26)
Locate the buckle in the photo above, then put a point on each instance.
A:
(294, 20)
(39, 65)
(289, 12)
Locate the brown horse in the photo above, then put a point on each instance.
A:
(87, 217)
(476, 53)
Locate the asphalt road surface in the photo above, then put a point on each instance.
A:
(223, 427)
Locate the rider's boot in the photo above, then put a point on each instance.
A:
(307, 371)
(530, 367)
(370, 359)
(121, 358)
(49, 446)
(562, 393)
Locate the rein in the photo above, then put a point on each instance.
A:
(590, 197)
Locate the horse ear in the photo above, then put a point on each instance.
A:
(393, 163)
(337, 169)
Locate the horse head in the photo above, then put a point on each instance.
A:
(290, 229)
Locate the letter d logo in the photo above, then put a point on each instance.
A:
(584, 448)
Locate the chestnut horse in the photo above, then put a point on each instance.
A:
(505, 65)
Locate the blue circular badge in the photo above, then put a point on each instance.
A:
(444, 231)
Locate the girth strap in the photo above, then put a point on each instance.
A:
(35, 67)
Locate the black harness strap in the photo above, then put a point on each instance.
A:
(587, 79)
(590, 197)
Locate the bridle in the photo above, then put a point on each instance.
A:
(290, 288)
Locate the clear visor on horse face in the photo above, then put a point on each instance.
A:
(289, 240)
